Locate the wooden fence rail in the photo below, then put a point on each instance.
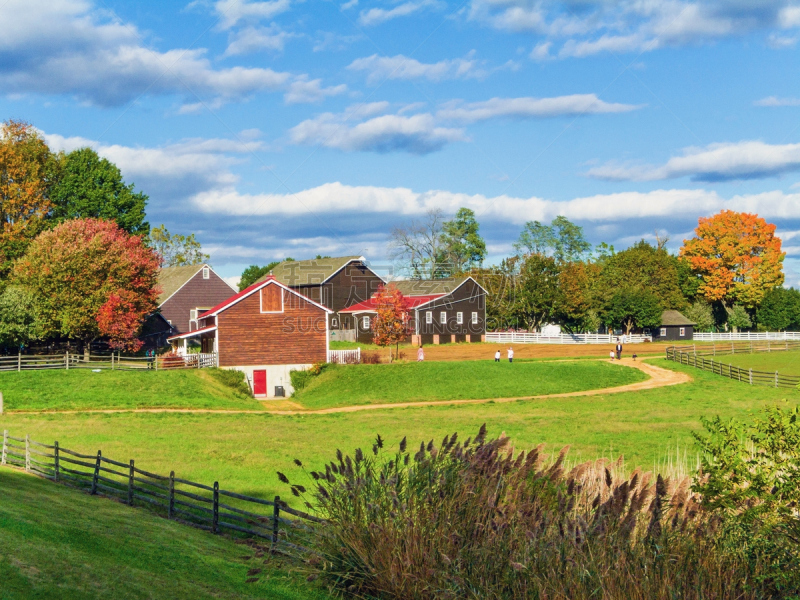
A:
(113, 361)
(703, 357)
(204, 506)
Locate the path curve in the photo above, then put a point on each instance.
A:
(659, 377)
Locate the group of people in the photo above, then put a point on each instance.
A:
(510, 355)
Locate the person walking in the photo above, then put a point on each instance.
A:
(497, 356)
(510, 355)
(420, 354)
(611, 355)
(619, 349)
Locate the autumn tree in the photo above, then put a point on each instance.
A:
(578, 309)
(90, 186)
(91, 279)
(391, 323)
(27, 173)
(176, 250)
(737, 257)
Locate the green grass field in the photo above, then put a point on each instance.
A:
(785, 362)
(346, 385)
(244, 452)
(81, 389)
(59, 543)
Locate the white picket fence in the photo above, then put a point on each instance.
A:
(746, 336)
(510, 337)
(345, 357)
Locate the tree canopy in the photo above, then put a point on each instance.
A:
(253, 273)
(464, 248)
(390, 325)
(176, 250)
(92, 187)
(562, 239)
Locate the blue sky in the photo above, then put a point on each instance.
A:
(290, 128)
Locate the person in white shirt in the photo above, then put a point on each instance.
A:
(510, 355)
(497, 356)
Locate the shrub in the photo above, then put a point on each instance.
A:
(476, 520)
(370, 358)
(300, 379)
(232, 378)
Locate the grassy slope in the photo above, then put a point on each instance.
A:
(59, 543)
(243, 452)
(434, 381)
(83, 389)
(786, 363)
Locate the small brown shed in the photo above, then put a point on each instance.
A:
(675, 327)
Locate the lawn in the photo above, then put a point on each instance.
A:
(78, 389)
(785, 362)
(243, 452)
(56, 542)
(346, 385)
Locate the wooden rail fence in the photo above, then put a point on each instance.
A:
(204, 506)
(704, 357)
(113, 361)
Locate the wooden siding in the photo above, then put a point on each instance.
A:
(673, 333)
(197, 292)
(248, 337)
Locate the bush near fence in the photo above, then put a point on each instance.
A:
(204, 506)
(703, 357)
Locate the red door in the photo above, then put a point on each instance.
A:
(260, 383)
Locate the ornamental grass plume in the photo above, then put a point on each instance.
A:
(474, 519)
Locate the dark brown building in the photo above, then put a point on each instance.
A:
(264, 331)
(674, 328)
(336, 283)
(188, 291)
(440, 310)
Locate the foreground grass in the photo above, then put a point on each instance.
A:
(78, 389)
(345, 385)
(243, 452)
(785, 362)
(56, 542)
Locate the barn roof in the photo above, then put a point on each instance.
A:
(171, 279)
(251, 290)
(422, 287)
(310, 272)
(369, 305)
(673, 317)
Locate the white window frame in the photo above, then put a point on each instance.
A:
(206, 273)
(443, 317)
(429, 317)
(474, 318)
(682, 332)
(334, 322)
(365, 322)
(459, 318)
(663, 332)
(193, 314)
(261, 301)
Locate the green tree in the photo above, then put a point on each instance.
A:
(562, 239)
(20, 317)
(578, 310)
(537, 295)
(92, 187)
(463, 246)
(253, 273)
(738, 318)
(633, 308)
(702, 314)
(176, 250)
(779, 310)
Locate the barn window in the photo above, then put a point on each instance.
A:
(474, 318)
(193, 314)
(429, 317)
(460, 318)
(271, 299)
(205, 272)
(443, 318)
(663, 332)
(334, 322)
(365, 322)
(682, 331)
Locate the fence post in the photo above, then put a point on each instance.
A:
(130, 485)
(751, 376)
(276, 511)
(57, 465)
(1, 403)
(96, 473)
(5, 446)
(19, 361)
(171, 494)
(112, 360)
(776, 379)
(66, 359)
(28, 453)
(215, 519)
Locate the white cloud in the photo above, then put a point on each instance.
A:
(232, 12)
(774, 101)
(254, 39)
(790, 17)
(576, 104)
(376, 16)
(301, 90)
(541, 51)
(416, 134)
(380, 68)
(716, 162)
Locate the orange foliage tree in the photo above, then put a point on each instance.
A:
(27, 171)
(391, 323)
(737, 256)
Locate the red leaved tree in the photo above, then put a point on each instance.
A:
(91, 279)
(391, 323)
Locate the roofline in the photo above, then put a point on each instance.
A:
(452, 292)
(192, 277)
(256, 287)
(193, 333)
(361, 258)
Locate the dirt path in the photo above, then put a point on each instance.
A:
(658, 378)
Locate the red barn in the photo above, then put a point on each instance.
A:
(265, 331)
